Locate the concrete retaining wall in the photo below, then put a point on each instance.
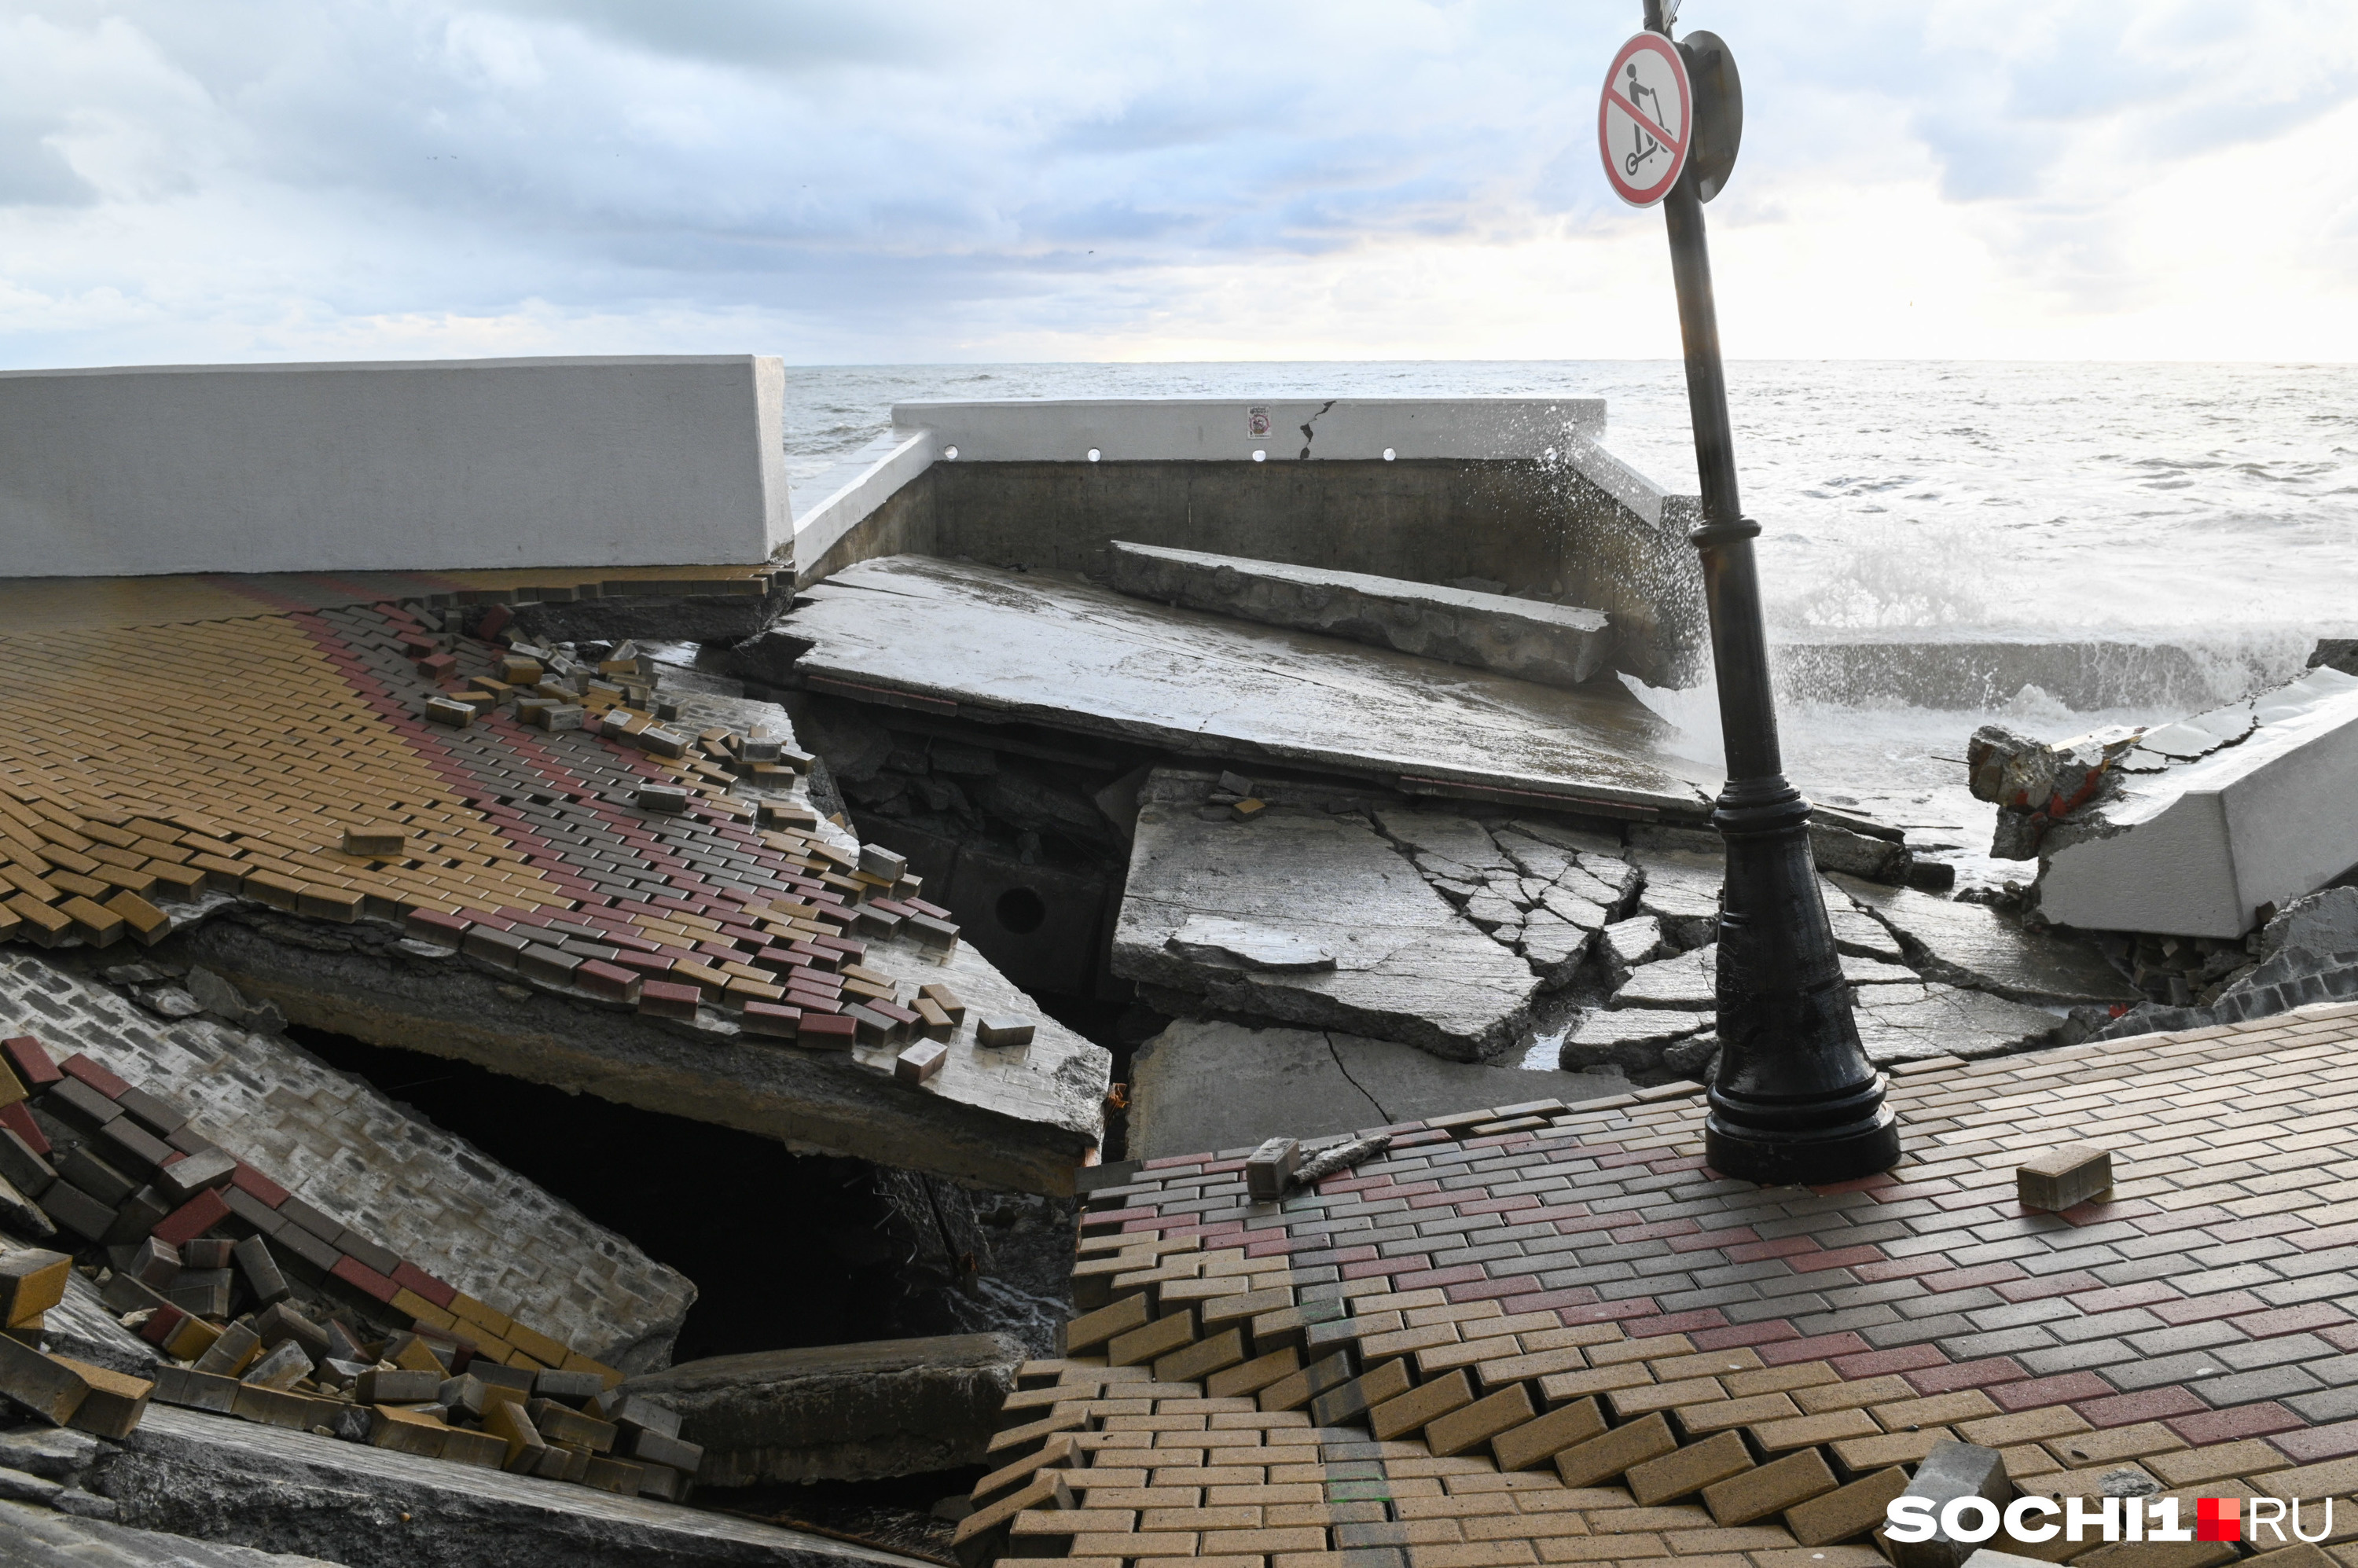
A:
(1513, 489)
(413, 465)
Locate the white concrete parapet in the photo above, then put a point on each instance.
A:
(1183, 429)
(397, 465)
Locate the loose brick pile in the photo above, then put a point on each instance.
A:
(378, 1350)
(1541, 1334)
(368, 762)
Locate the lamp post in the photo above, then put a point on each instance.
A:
(1795, 1099)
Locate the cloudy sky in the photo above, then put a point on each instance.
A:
(838, 183)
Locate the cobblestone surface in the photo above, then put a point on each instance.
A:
(2201, 1319)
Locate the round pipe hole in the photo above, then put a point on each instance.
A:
(949, 454)
(1260, 456)
(1094, 454)
(1390, 454)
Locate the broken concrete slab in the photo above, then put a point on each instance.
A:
(1407, 966)
(2324, 921)
(341, 1144)
(1975, 946)
(1687, 983)
(840, 1412)
(1012, 1119)
(2190, 829)
(221, 1480)
(1057, 650)
(1208, 1085)
(1912, 1022)
(44, 1538)
(1248, 946)
(1681, 891)
(1530, 639)
(1631, 1040)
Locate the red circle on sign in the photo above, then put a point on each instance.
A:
(1645, 119)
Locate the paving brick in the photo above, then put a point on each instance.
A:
(1772, 1489)
(1600, 1459)
(1689, 1470)
(1846, 1511)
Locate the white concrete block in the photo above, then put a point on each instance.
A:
(2196, 847)
(407, 465)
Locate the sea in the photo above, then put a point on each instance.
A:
(2204, 516)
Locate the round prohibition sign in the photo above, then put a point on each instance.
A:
(1645, 121)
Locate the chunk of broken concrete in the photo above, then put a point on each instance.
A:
(1406, 965)
(1631, 1041)
(840, 1412)
(1973, 945)
(1212, 941)
(1688, 983)
(1681, 891)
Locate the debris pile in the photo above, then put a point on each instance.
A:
(260, 1306)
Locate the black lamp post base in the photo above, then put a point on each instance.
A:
(1801, 1157)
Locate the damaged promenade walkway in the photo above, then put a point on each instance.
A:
(1541, 1334)
(549, 878)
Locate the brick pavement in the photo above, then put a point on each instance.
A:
(1528, 1334)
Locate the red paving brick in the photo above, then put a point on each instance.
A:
(2203, 1309)
(2302, 1319)
(2039, 1287)
(2310, 1443)
(1966, 1279)
(2234, 1425)
(1840, 1258)
(2032, 1393)
(1783, 1246)
(1983, 1374)
(1878, 1363)
(2146, 1404)
(1727, 1339)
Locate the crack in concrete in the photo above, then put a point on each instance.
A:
(1341, 1067)
(1309, 435)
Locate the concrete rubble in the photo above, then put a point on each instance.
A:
(839, 1412)
(1555, 644)
(2189, 830)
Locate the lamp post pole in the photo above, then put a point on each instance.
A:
(1795, 1100)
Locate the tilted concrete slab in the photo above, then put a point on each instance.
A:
(354, 1153)
(1557, 645)
(1973, 945)
(42, 1538)
(218, 1478)
(1209, 1084)
(1053, 650)
(1405, 965)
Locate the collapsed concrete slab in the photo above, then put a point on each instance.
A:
(1555, 644)
(221, 1480)
(351, 1152)
(1211, 1085)
(1223, 912)
(1057, 650)
(2192, 828)
(523, 858)
(1973, 945)
(840, 1412)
